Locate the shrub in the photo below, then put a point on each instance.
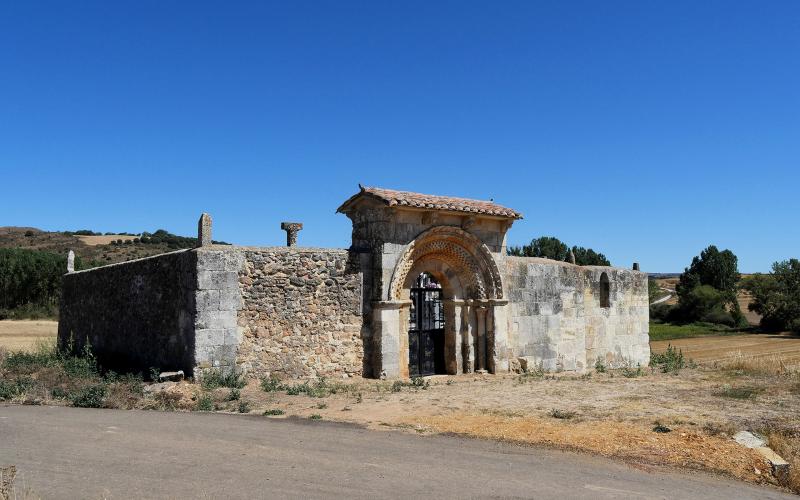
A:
(670, 361)
(213, 379)
(234, 395)
(316, 416)
(630, 372)
(244, 407)
(274, 411)
(9, 389)
(90, 397)
(205, 403)
(599, 365)
(271, 384)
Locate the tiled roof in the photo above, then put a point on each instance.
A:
(434, 202)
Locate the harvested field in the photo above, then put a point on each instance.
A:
(24, 335)
(105, 239)
(712, 349)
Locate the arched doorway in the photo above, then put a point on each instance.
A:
(426, 327)
(446, 303)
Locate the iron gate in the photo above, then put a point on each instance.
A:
(426, 328)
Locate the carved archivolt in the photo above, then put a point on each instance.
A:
(464, 252)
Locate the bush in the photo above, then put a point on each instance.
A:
(670, 361)
(90, 397)
(776, 297)
(205, 403)
(213, 379)
(244, 407)
(274, 411)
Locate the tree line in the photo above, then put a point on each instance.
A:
(30, 282)
(550, 247)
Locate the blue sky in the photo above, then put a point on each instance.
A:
(646, 130)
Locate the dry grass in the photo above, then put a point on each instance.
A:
(786, 443)
(104, 239)
(24, 335)
(769, 365)
(683, 447)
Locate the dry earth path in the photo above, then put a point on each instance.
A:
(79, 453)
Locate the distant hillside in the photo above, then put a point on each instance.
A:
(95, 249)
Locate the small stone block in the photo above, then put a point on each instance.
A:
(171, 376)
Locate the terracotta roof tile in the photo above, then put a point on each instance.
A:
(418, 200)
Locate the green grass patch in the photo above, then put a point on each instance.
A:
(669, 331)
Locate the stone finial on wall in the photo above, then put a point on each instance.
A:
(571, 257)
(204, 230)
(291, 228)
(635, 266)
(70, 261)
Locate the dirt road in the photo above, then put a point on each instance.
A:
(79, 453)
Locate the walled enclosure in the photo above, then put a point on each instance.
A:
(309, 312)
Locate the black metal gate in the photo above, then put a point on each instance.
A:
(426, 328)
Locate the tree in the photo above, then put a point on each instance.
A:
(588, 257)
(776, 296)
(718, 270)
(547, 247)
(712, 267)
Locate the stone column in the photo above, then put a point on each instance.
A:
(452, 336)
(70, 261)
(291, 228)
(467, 339)
(498, 339)
(386, 334)
(480, 313)
(204, 230)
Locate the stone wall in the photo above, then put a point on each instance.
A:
(556, 319)
(301, 313)
(136, 315)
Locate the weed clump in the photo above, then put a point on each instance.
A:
(562, 414)
(671, 360)
(90, 397)
(414, 383)
(660, 428)
(213, 379)
(205, 403)
(243, 407)
(274, 411)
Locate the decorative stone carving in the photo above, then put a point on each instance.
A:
(291, 228)
(459, 248)
(204, 230)
(468, 222)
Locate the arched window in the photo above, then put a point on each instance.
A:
(605, 291)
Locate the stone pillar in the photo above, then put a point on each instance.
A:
(571, 257)
(452, 336)
(70, 261)
(635, 266)
(291, 228)
(498, 350)
(480, 314)
(204, 230)
(467, 339)
(386, 333)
